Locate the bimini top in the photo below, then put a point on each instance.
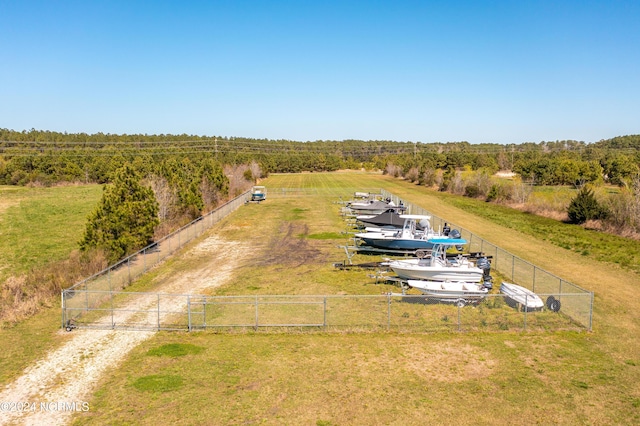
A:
(415, 216)
(448, 241)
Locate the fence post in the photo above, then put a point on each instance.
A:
(158, 294)
(459, 320)
(388, 312)
(189, 310)
(324, 319)
(256, 313)
(86, 296)
(64, 308)
(113, 323)
(591, 313)
(204, 312)
(526, 303)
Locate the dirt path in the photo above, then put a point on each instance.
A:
(69, 374)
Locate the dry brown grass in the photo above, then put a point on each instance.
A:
(25, 295)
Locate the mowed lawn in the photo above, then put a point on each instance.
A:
(379, 378)
(357, 378)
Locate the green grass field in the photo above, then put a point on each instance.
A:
(373, 378)
(40, 225)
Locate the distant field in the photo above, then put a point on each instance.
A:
(39, 225)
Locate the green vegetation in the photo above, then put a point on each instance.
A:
(158, 383)
(175, 350)
(374, 378)
(125, 218)
(47, 157)
(585, 207)
(41, 225)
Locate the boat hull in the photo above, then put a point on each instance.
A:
(517, 295)
(450, 291)
(420, 269)
(388, 242)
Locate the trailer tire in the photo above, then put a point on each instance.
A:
(549, 301)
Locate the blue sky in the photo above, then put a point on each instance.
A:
(427, 71)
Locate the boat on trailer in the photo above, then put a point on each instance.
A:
(458, 292)
(407, 238)
(440, 267)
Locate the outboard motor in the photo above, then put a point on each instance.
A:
(425, 225)
(454, 233)
(484, 264)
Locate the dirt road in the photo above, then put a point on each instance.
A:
(52, 389)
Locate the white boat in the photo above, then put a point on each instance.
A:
(438, 267)
(407, 238)
(374, 207)
(519, 296)
(460, 292)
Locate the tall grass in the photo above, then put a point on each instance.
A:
(40, 230)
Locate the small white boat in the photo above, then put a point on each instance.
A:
(519, 296)
(459, 292)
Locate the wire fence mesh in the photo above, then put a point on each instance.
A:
(389, 312)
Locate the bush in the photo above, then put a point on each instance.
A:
(585, 207)
(471, 191)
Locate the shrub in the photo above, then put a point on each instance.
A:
(585, 207)
(471, 190)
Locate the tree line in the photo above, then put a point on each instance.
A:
(183, 176)
(44, 157)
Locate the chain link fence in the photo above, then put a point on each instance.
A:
(372, 313)
(87, 295)
(99, 302)
(579, 307)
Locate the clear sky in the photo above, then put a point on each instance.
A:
(428, 71)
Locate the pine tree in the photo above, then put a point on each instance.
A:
(585, 207)
(125, 218)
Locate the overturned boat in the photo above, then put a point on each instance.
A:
(518, 296)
